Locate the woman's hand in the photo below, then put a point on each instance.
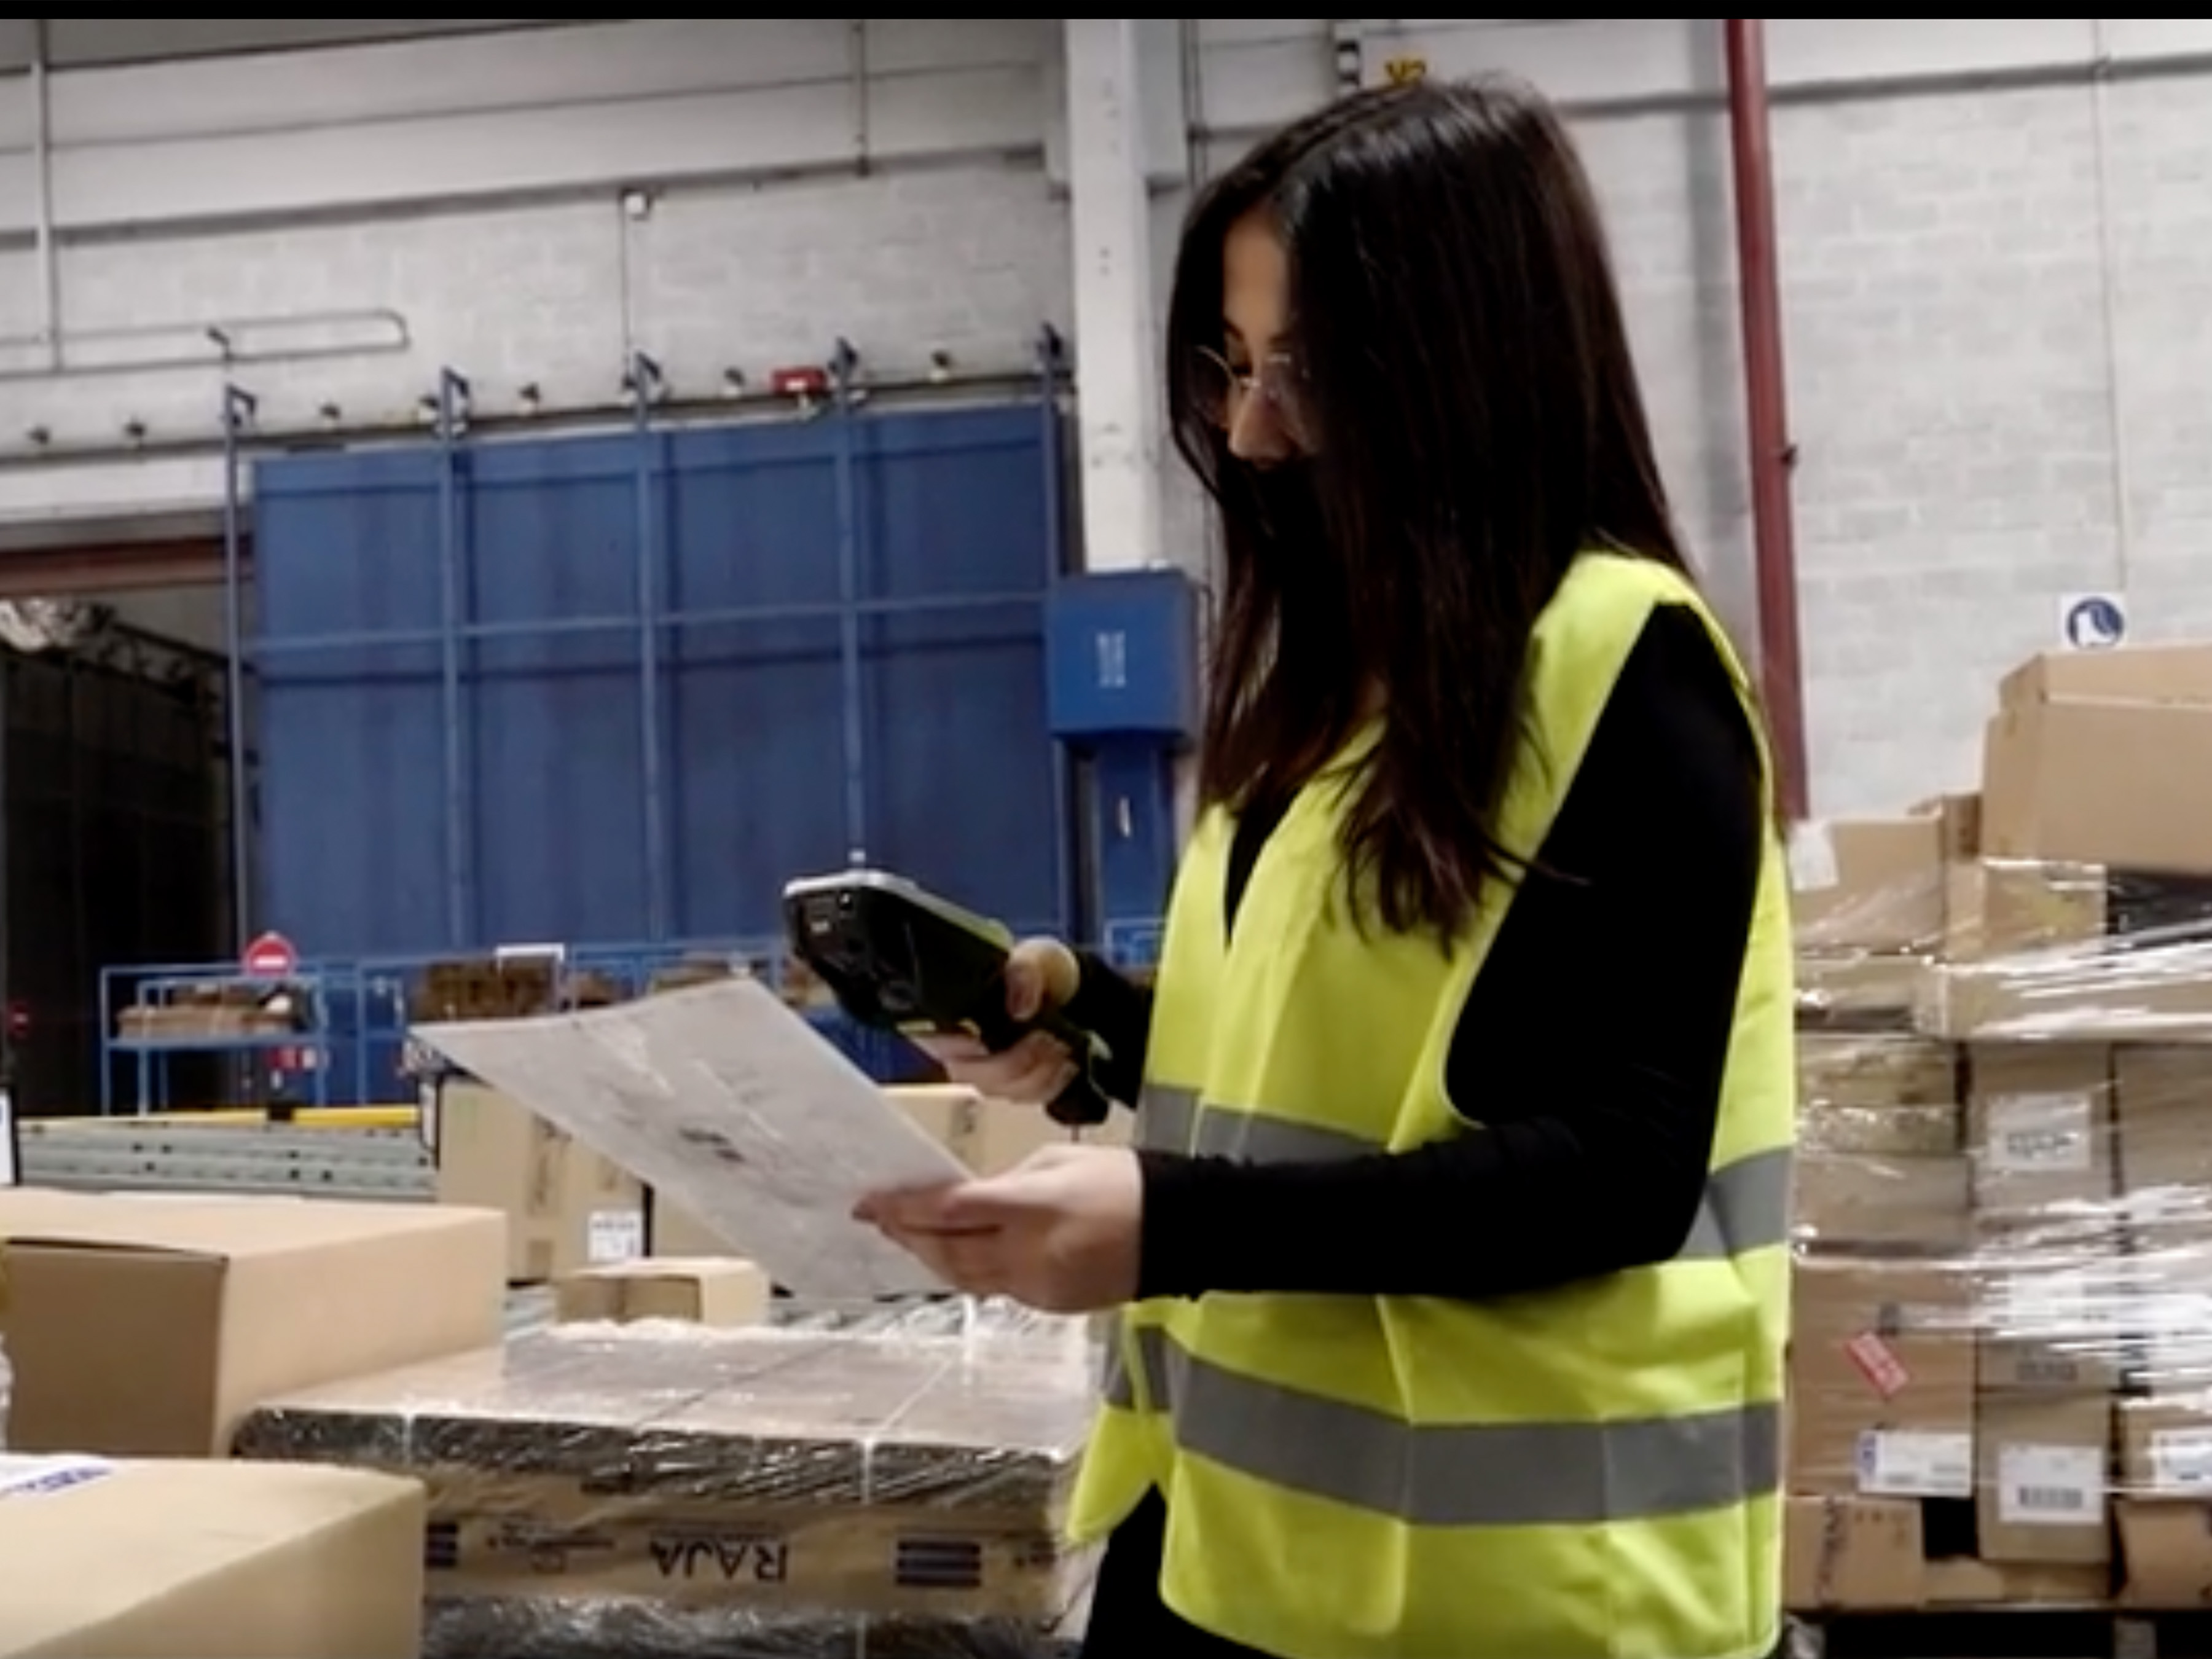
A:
(1059, 1232)
(1042, 973)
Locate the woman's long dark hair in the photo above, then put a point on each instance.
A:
(1475, 422)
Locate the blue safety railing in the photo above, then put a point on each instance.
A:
(350, 1044)
(1130, 945)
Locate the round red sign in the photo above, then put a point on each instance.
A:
(271, 956)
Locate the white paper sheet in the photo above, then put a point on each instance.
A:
(728, 1103)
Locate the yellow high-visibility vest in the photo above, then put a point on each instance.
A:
(1586, 1473)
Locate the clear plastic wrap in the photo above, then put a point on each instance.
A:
(884, 1482)
(2001, 1370)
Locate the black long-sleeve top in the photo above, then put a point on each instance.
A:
(1592, 1049)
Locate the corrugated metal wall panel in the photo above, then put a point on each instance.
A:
(963, 758)
(748, 527)
(350, 809)
(551, 541)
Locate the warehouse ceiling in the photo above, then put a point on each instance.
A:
(89, 42)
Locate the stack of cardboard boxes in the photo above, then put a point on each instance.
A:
(672, 1472)
(2005, 1190)
(892, 1486)
(139, 1331)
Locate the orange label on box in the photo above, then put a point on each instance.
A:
(1885, 1374)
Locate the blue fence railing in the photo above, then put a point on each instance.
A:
(346, 1041)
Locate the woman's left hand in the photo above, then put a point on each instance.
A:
(1059, 1233)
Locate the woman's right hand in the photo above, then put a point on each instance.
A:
(1042, 973)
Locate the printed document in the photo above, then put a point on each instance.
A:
(728, 1103)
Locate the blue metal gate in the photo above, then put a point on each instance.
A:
(617, 687)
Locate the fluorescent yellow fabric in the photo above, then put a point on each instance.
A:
(1590, 1473)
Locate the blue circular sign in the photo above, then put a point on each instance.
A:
(2095, 623)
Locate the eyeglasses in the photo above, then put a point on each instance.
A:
(1222, 388)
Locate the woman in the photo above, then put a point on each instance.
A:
(1452, 1255)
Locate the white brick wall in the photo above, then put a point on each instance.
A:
(1960, 422)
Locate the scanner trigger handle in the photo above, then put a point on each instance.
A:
(1081, 1105)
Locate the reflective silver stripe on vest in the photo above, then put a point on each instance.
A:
(1746, 1204)
(1151, 1351)
(1513, 1474)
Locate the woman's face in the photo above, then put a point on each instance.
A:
(1259, 409)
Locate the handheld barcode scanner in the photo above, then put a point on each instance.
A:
(897, 957)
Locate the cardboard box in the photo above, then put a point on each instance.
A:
(142, 1328)
(2178, 672)
(722, 1292)
(2038, 1126)
(1856, 991)
(2162, 1101)
(1878, 1095)
(1881, 1133)
(1916, 1203)
(1868, 884)
(2121, 994)
(2054, 1318)
(1881, 1364)
(191, 1560)
(992, 1136)
(1959, 821)
(1965, 1581)
(1871, 1555)
(2165, 1553)
(947, 1112)
(1876, 1070)
(2043, 1462)
(1995, 908)
(728, 1476)
(1860, 1553)
(2104, 757)
(673, 1233)
(567, 1206)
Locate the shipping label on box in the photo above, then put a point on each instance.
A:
(2045, 1486)
(2044, 1463)
(2176, 1462)
(2166, 1446)
(2039, 1124)
(1916, 1463)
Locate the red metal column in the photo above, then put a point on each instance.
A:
(1766, 407)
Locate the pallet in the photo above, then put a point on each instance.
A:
(2014, 1632)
